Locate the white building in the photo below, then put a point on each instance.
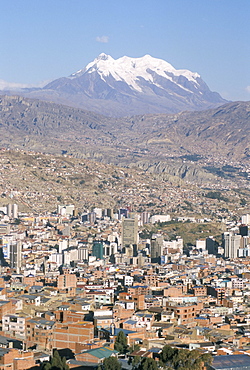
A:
(160, 218)
(231, 243)
(245, 219)
(14, 325)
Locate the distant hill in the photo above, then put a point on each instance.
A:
(180, 144)
(130, 86)
(39, 182)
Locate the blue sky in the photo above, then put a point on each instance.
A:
(46, 39)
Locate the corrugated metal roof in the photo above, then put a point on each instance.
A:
(231, 361)
(102, 352)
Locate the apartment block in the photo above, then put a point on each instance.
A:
(67, 335)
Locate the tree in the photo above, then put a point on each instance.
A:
(111, 363)
(168, 353)
(148, 364)
(207, 358)
(121, 343)
(136, 361)
(46, 366)
(55, 363)
(134, 347)
(56, 360)
(183, 359)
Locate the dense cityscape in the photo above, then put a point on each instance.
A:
(83, 283)
(124, 185)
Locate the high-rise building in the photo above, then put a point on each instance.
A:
(9, 210)
(97, 250)
(212, 245)
(128, 250)
(156, 246)
(145, 216)
(110, 213)
(129, 231)
(92, 217)
(245, 219)
(85, 217)
(231, 243)
(122, 212)
(66, 210)
(12, 210)
(244, 230)
(109, 249)
(16, 255)
(83, 253)
(69, 209)
(98, 212)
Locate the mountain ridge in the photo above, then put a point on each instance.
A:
(129, 86)
(221, 134)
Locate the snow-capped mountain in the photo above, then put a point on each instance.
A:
(129, 86)
(132, 70)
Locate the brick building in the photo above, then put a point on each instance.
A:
(6, 307)
(185, 313)
(14, 359)
(39, 332)
(200, 290)
(138, 289)
(66, 335)
(66, 281)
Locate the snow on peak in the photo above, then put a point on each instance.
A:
(130, 70)
(103, 56)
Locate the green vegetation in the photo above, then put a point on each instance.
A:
(227, 171)
(55, 363)
(216, 195)
(188, 231)
(147, 364)
(121, 344)
(192, 157)
(173, 359)
(134, 347)
(134, 362)
(183, 359)
(110, 363)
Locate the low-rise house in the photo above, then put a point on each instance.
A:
(96, 355)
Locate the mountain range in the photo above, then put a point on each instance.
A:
(180, 145)
(118, 112)
(128, 86)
